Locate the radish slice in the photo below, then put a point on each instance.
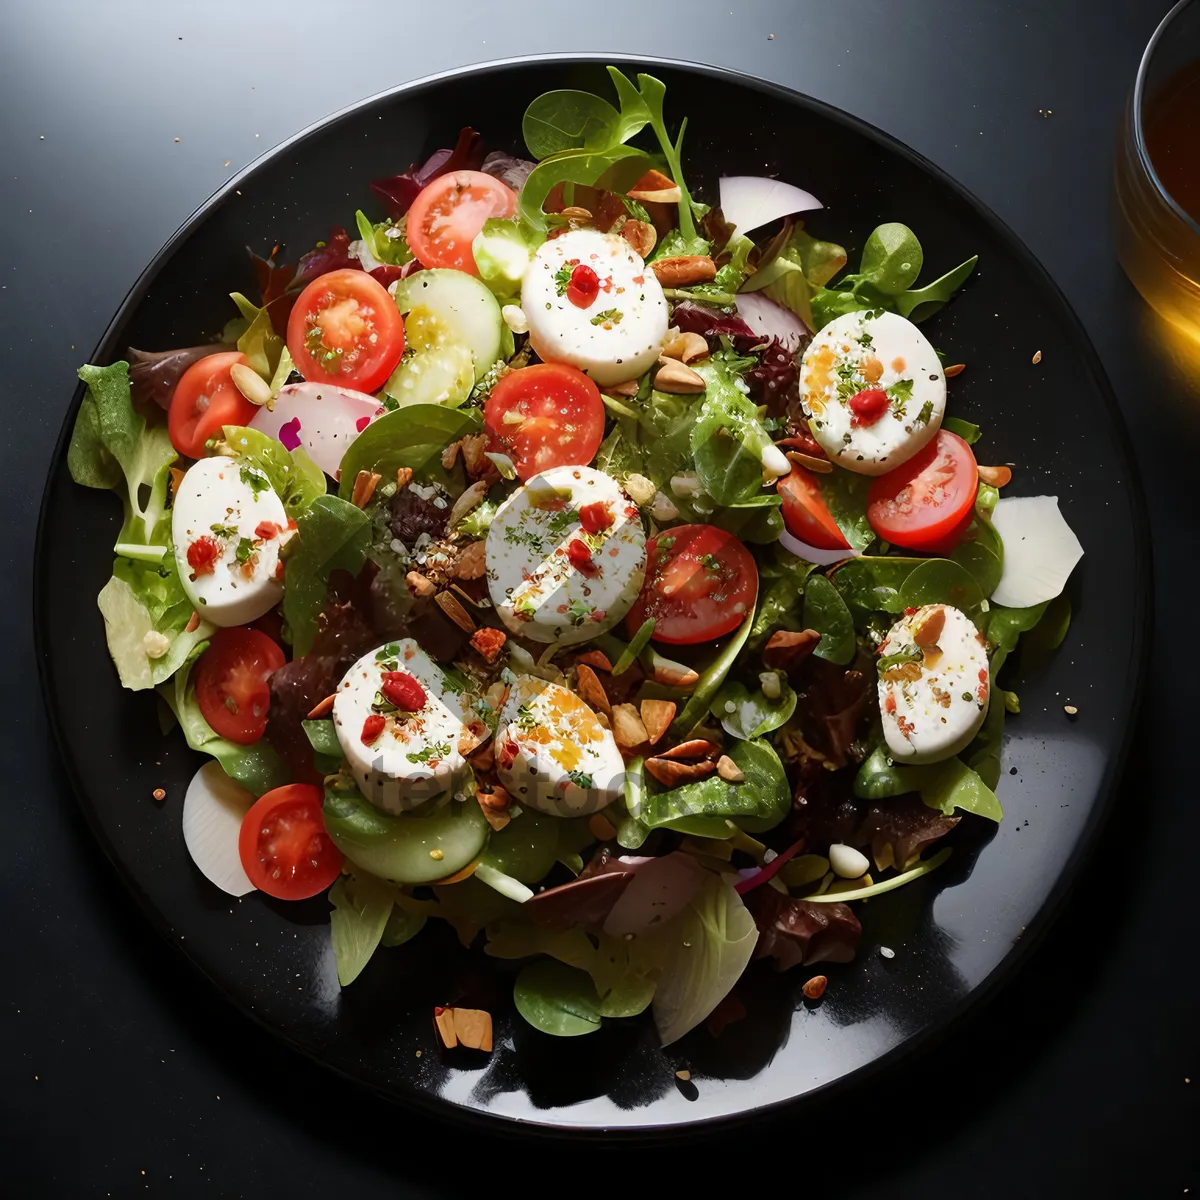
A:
(771, 320)
(661, 889)
(212, 820)
(822, 558)
(1040, 551)
(752, 201)
(322, 419)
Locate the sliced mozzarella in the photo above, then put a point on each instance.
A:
(322, 419)
(553, 754)
(417, 756)
(618, 336)
(235, 507)
(213, 808)
(536, 588)
(857, 352)
(1040, 550)
(934, 700)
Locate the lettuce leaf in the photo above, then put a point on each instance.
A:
(297, 480)
(362, 906)
(728, 438)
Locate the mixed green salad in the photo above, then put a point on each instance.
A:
(592, 568)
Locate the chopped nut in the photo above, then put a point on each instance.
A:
(471, 498)
(729, 770)
(497, 800)
(455, 611)
(687, 347)
(450, 455)
(929, 628)
(810, 462)
(471, 562)
(786, 650)
(364, 488)
(403, 477)
(473, 1028)
(692, 748)
(641, 236)
(601, 828)
(641, 490)
(677, 379)
(420, 587)
(814, 989)
(596, 659)
(323, 709)
(662, 508)
(670, 772)
(576, 213)
(251, 384)
(628, 387)
(159, 794)
(193, 622)
(484, 759)
(684, 1075)
(489, 642)
(655, 188)
(496, 695)
(1070, 710)
(657, 716)
(956, 369)
(996, 477)
(1037, 357)
(155, 644)
(514, 318)
(682, 270)
(673, 674)
(437, 855)
(443, 1023)
(627, 726)
(474, 452)
(591, 690)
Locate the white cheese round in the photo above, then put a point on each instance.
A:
(932, 697)
(235, 507)
(553, 754)
(417, 756)
(856, 353)
(539, 592)
(619, 334)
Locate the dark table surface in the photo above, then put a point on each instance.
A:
(121, 1072)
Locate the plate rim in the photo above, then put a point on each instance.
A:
(433, 1104)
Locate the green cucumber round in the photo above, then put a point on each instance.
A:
(465, 304)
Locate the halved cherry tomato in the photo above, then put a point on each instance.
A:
(283, 844)
(927, 502)
(448, 214)
(232, 685)
(562, 418)
(700, 583)
(805, 514)
(346, 329)
(205, 399)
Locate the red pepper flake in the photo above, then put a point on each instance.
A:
(372, 728)
(580, 557)
(203, 555)
(906, 727)
(266, 530)
(910, 612)
(889, 704)
(489, 642)
(868, 406)
(595, 517)
(982, 675)
(403, 690)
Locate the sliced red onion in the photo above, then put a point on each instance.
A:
(752, 201)
(767, 872)
(822, 558)
(770, 319)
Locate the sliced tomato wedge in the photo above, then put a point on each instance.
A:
(283, 844)
(233, 683)
(700, 583)
(805, 514)
(448, 214)
(548, 415)
(345, 329)
(927, 502)
(205, 399)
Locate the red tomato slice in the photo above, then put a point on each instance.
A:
(805, 514)
(205, 399)
(283, 844)
(562, 418)
(700, 583)
(346, 329)
(232, 683)
(926, 503)
(448, 214)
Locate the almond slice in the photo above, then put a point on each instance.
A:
(627, 726)
(473, 1028)
(671, 772)
(596, 659)
(450, 606)
(675, 378)
(443, 1024)
(364, 488)
(591, 690)
(693, 748)
(657, 716)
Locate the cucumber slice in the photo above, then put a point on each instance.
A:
(442, 376)
(463, 303)
(400, 848)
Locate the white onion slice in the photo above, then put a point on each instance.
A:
(212, 819)
(322, 419)
(769, 319)
(1040, 550)
(752, 201)
(660, 889)
(822, 558)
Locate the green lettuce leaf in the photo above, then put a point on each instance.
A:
(802, 266)
(362, 905)
(296, 479)
(826, 612)
(261, 345)
(557, 999)
(728, 438)
(503, 249)
(386, 240)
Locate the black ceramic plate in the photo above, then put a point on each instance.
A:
(954, 934)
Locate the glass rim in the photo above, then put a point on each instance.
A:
(1139, 139)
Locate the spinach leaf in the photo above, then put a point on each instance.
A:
(413, 436)
(1051, 631)
(1005, 625)
(710, 680)
(943, 785)
(845, 495)
(875, 583)
(295, 478)
(758, 803)
(557, 999)
(892, 258)
(584, 167)
(361, 908)
(965, 429)
(941, 581)
(748, 715)
(780, 604)
(332, 535)
(757, 520)
(322, 737)
(569, 120)
(917, 305)
(727, 439)
(983, 754)
(981, 552)
(826, 612)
